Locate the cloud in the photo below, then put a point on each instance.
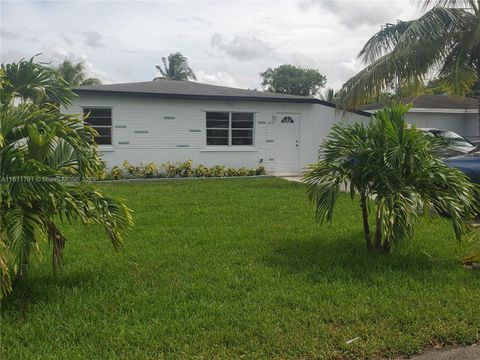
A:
(221, 78)
(252, 36)
(93, 39)
(9, 35)
(354, 14)
(196, 19)
(242, 47)
(66, 39)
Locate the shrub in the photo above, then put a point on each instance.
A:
(132, 170)
(217, 171)
(116, 173)
(170, 169)
(231, 172)
(150, 170)
(184, 169)
(201, 171)
(260, 171)
(243, 171)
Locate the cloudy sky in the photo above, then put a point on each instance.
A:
(227, 42)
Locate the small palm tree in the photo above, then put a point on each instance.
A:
(175, 68)
(45, 158)
(74, 74)
(394, 167)
(444, 41)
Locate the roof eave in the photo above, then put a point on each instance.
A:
(216, 98)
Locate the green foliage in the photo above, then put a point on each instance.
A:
(394, 166)
(117, 173)
(201, 171)
(260, 171)
(182, 169)
(74, 74)
(27, 81)
(444, 42)
(217, 171)
(290, 79)
(175, 67)
(44, 158)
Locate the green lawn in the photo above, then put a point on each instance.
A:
(238, 267)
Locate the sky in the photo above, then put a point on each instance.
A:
(226, 42)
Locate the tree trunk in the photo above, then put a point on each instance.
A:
(366, 226)
(478, 101)
(378, 228)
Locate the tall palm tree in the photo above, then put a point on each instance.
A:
(394, 167)
(175, 67)
(74, 74)
(45, 158)
(444, 41)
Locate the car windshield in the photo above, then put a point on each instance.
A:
(451, 138)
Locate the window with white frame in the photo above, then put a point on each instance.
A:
(101, 120)
(229, 128)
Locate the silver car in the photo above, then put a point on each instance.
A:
(454, 143)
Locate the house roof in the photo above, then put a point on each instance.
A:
(172, 89)
(432, 102)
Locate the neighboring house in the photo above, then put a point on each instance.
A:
(160, 121)
(441, 111)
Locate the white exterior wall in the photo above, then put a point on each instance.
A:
(471, 126)
(160, 130)
(465, 124)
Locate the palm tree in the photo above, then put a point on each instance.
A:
(328, 95)
(45, 158)
(74, 74)
(31, 82)
(444, 41)
(394, 167)
(175, 68)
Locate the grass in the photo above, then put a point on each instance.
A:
(238, 267)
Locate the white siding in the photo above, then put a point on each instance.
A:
(465, 124)
(160, 130)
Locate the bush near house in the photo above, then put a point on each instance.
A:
(181, 169)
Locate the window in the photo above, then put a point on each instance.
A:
(287, 120)
(229, 128)
(101, 120)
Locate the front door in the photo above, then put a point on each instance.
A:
(287, 142)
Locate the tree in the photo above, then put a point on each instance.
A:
(45, 158)
(392, 165)
(74, 74)
(294, 80)
(443, 41)
(175, 68)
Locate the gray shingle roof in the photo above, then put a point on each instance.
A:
(432, 102)
(170, 88)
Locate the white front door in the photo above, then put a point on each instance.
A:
(287, 142)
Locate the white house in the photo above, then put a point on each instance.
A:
(160, 121)
(441, 111)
